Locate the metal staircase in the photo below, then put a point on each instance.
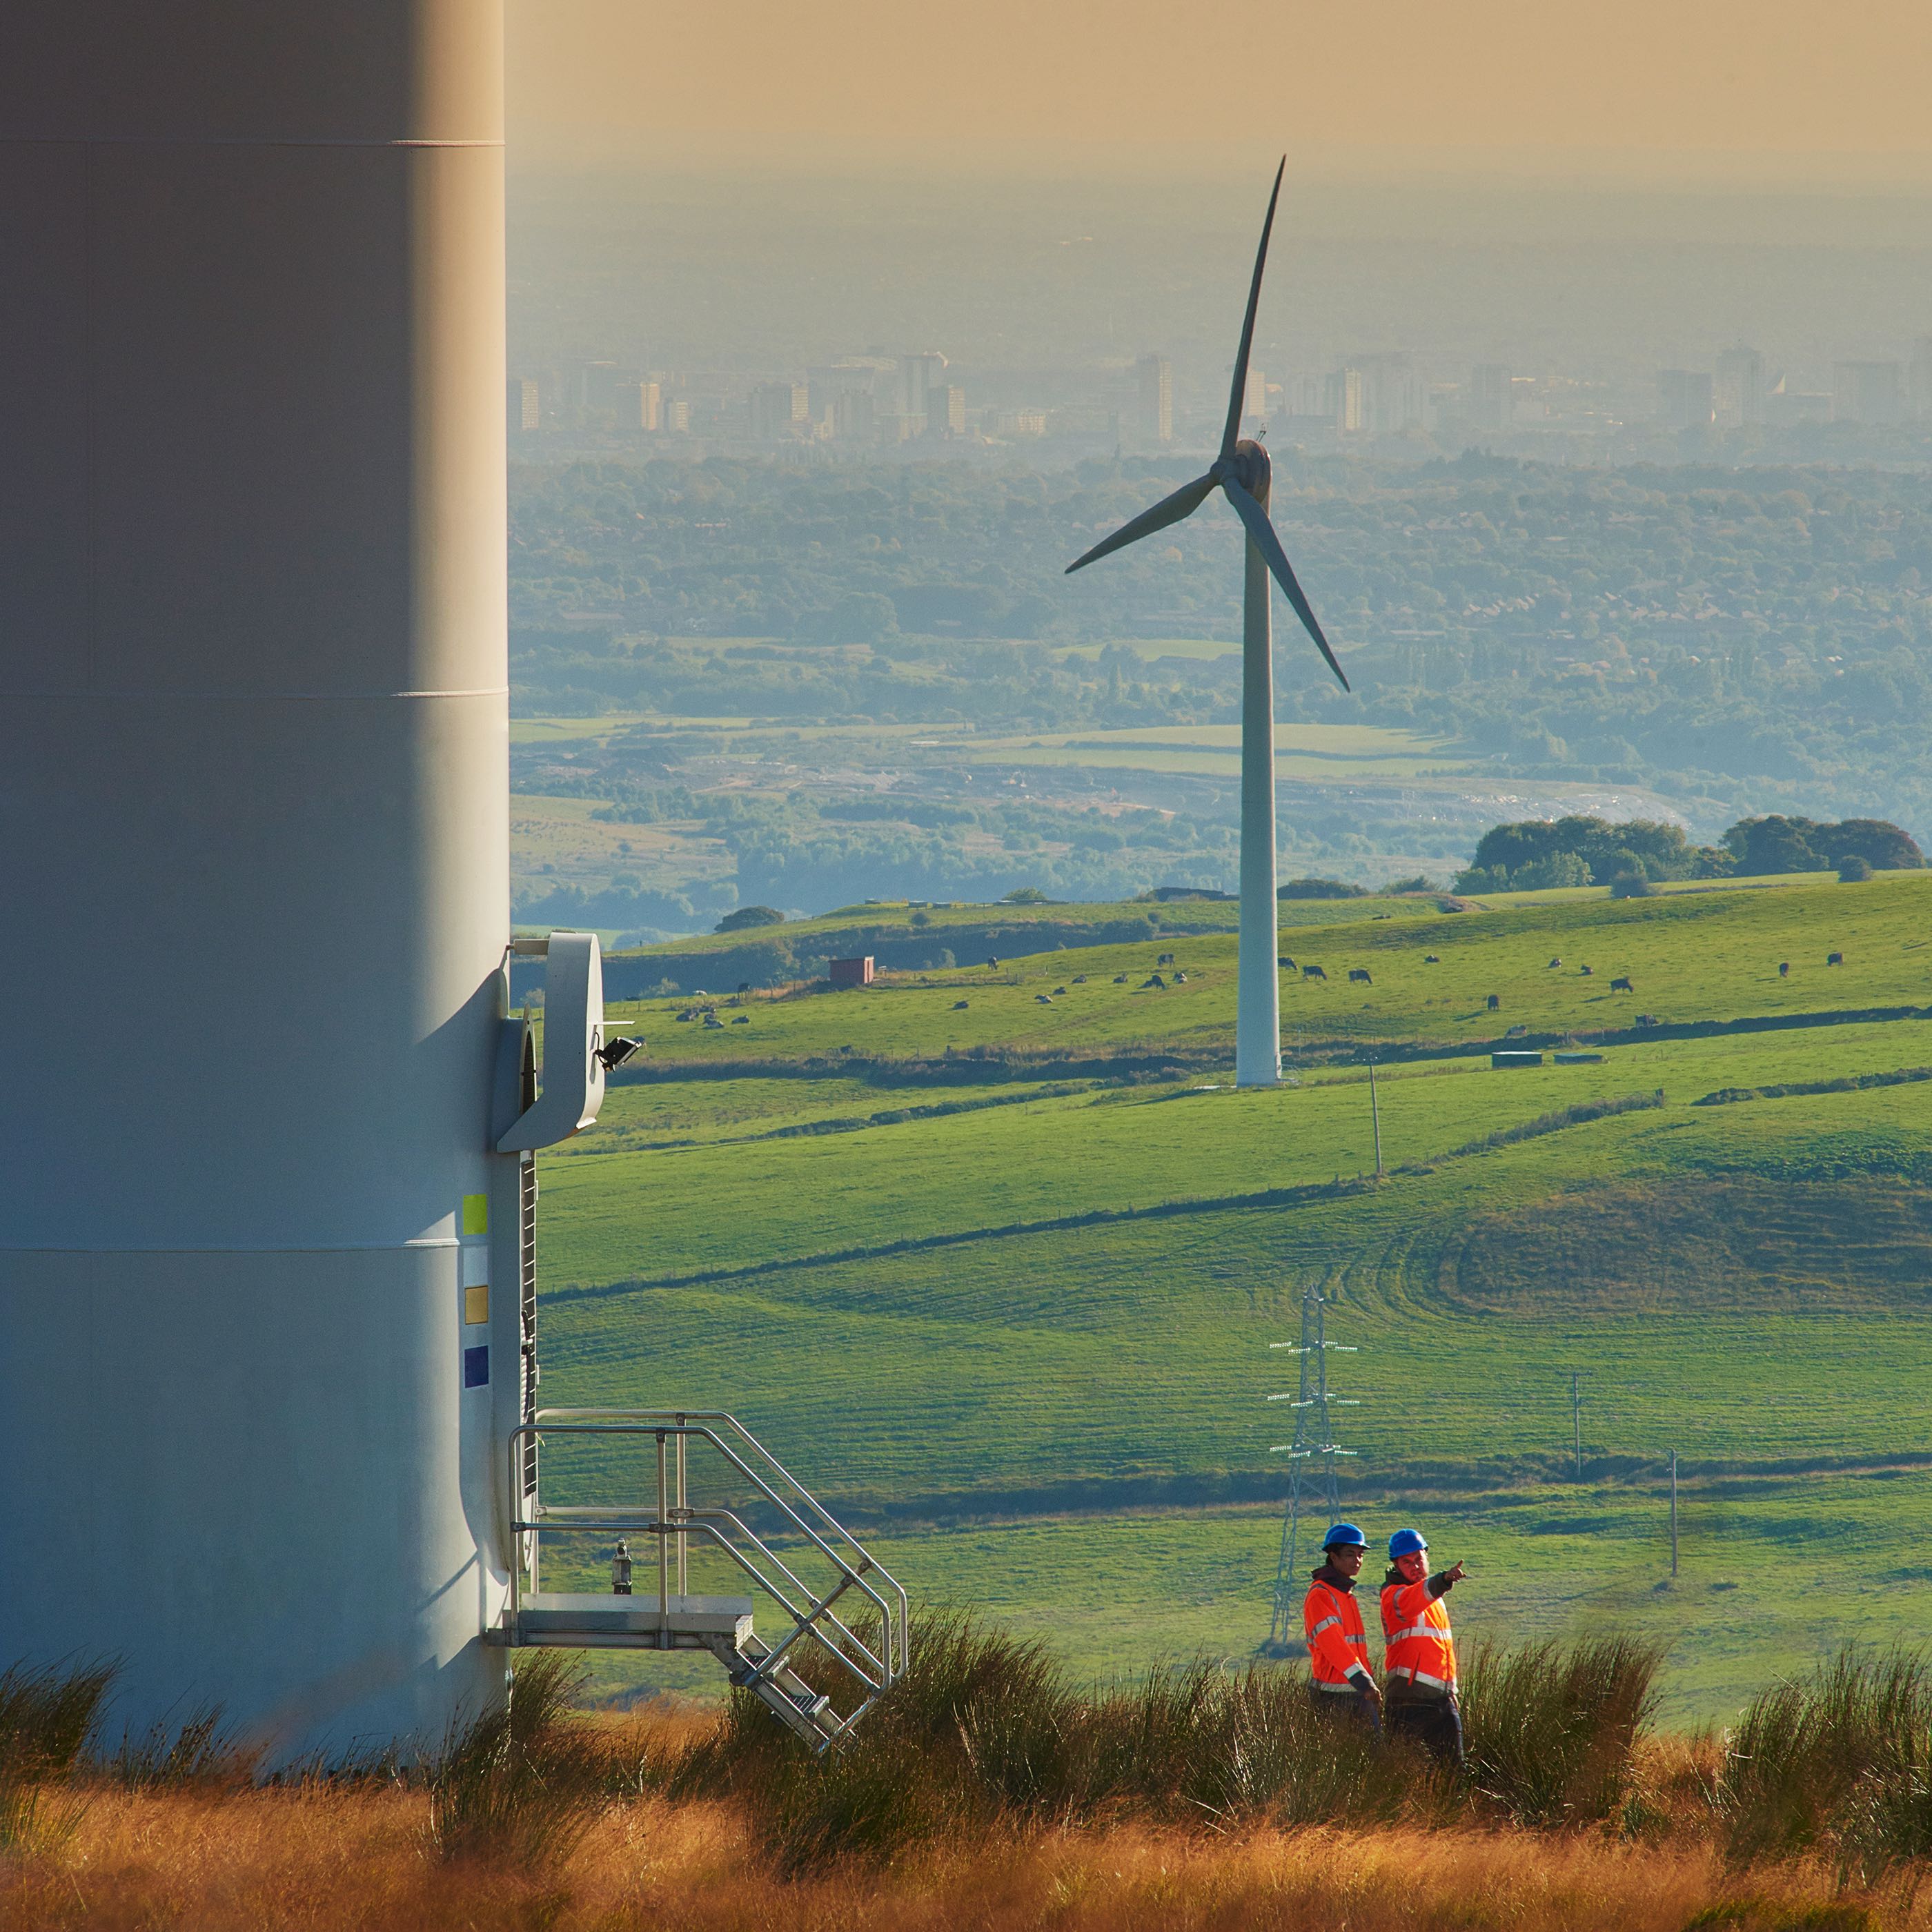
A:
(765, 1525)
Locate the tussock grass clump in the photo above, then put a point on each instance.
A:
(47, 1717)
(985, 1729)
(200, 1751)
(1838, 1763)
(1198, 1743)
(521, 1784)
(1551, 1728)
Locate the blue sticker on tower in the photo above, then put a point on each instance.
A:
(476, 1367)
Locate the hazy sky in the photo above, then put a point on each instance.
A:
(1773, 89)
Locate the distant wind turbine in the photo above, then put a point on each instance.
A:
(1242, 474)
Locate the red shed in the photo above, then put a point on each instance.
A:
(852, 972)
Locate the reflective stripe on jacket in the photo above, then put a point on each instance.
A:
(1420, 1646)
(1331, 1619)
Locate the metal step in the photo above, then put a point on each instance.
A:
(787, 1696)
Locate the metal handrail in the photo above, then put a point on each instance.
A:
(674, 1520)
(706, 1522)
(662, 1525)
(660, 1423)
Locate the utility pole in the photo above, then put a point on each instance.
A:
(1314, 1442)
(1673, 1512)
(1576, 1419)
(1375, 1115)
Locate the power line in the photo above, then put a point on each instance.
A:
(1312, 1458)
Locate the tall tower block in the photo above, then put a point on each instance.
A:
(253, 802)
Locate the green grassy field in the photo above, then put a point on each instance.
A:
(1026, 1339)
(1692, 958)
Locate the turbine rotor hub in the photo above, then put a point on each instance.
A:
(1250, 467)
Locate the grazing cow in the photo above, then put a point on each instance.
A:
(959, 1006)
(991, 964)
(1622, 985)
(1154, 979)
(1784, 969)
(1165, 959)
(1431, 959)
(1495, 1003)
(744, 985)
(1554, 962)
(712, 1020)
(1517, 1033)
(1586, 970)
(1284, 962)
(743, 1019)
(1041, 999)
(1358, 976)
(1834, 959)
(1313, 973)
(1646, 1019)
(1080, 979)
(1057, 991)
(1180, 979)
(1120, 979)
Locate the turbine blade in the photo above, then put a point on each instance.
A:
(1183, 502)
(1240, 388)
(1265, 541)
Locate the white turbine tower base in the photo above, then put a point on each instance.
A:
(1241, 472)
(1257, 993)
(258, 1293)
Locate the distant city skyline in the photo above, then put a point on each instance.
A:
(921, 398)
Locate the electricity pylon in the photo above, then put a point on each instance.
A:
(1312, 1458)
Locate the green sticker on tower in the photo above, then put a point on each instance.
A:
(476, 1213)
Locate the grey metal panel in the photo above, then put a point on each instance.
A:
(242, 1476)
(318, 894)
(247, 450)
(45, 528)
(251, 70)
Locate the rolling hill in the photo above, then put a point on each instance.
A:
(1002, 1279)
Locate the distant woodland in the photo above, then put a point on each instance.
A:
(1757, 638)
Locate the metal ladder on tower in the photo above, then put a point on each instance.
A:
(804, 1563)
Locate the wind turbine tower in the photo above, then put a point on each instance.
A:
(1242, 473)
(253, 777)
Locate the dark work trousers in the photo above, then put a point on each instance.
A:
(1337, 1709)
(1434, 1722)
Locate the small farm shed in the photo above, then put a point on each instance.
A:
(852, 972)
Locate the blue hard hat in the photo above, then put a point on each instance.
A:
(1404, 1542)
(1344, 1535)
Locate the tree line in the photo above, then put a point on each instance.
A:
(1535, 855)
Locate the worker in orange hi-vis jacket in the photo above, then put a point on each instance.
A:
(1419, 1661)
(1331, 1618)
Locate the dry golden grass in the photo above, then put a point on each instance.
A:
(318, 1860)
(541, 1816)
